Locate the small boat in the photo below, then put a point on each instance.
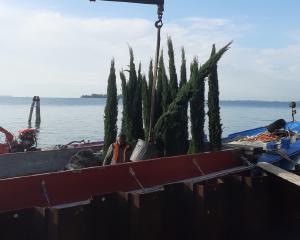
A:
(21, 157)
(43, 161)
(278, 143)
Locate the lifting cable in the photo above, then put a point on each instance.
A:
(158, 25)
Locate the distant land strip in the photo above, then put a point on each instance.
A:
(97, 96)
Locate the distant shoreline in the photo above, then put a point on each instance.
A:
(97, 96)
(120, 96)
(94, 96)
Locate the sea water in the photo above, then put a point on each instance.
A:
(68, 119)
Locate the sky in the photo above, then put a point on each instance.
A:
(62, 48)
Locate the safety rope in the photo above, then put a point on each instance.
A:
(158, 25)
(132, 173)
(198, 167)
(45, 192)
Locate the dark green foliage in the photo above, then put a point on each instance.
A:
(172, 71)
(146, 105)
(197, 109)
(138, 107)
(168, 122)
(150, 80)
(183, 134)
(125, 104)
(146, 98)
(173, 139)
(163, 98)
(111, 109)
(183, 75)
(215, 126)
(159, 89)
(132, 122)
(166, 93)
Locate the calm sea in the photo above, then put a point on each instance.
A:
(68, 119)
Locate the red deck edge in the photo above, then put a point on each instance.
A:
(46, 190)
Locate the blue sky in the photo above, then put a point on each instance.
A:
(86, 35)
(271, 21)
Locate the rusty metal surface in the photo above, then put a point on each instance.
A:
(223, 208)
(52, 189)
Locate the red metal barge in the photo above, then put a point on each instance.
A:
(63, 187)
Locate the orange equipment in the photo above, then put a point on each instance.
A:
(115, 158)
(27, 139)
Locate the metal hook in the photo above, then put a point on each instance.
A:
(159, 23)
(160, 11)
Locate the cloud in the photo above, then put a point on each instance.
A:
(49, 53)
(268, 74)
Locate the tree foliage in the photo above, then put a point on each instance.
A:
(161, 78)
(214, 124)
(197, 109)
(172, 70)
(146, 98)
(183, 74)
(125, 103)
(171, 105)
(183, 134)
(111, 109)
(169, 120)
(132, 122)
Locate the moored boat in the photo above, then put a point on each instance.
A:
(44, 161)
(278, 143)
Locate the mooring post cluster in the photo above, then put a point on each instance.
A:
(35, 103)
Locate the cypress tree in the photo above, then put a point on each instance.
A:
(176, 141)
(159, 87)
(169, 137)
(172, 70)
(197, 109)
(183, 134)
(146, 105)
(166, 91)
(132, 122)
(146, 98)
(168, 121)
(183, 75)
(215, 126)
(125, 116)
(138, 106)
(150, 82)
(163, 98)
(111, 109)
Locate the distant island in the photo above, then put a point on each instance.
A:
(94, 96)
(97, 96)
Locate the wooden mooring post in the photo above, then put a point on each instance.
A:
(35, 103)
(38, 110)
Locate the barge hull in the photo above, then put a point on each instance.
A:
(65, 187)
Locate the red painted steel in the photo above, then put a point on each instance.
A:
(45, 190)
